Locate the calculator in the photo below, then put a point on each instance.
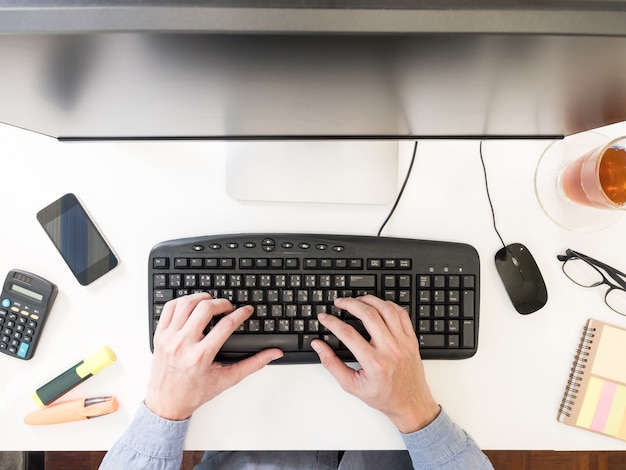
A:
(25, 302)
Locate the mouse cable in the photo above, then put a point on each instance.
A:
(406, 180)
(493, 214)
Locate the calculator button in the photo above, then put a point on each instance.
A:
(6, 303)
(34, 317)
(23, 350)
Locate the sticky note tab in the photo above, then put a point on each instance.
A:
(590, 403)
(605, 403)
(617, 412)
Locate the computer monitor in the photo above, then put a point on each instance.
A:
(355, 71)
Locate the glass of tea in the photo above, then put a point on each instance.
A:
(580, 181)
(598, 178)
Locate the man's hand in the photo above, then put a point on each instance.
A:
(183, 375)
(391, 378)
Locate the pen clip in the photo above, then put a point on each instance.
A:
(99, 406)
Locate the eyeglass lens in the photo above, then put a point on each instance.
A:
(616, 299)
(582, 273)
(586, 275)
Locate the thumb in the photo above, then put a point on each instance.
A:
(343, 374)
(244, 368)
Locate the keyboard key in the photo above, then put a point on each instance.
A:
(162, 295)
(160, 280)
(468, 334)
(356, 263)
(181, 263)
(253, 343)
(362, 280)
(454, 282)
(468, 304)
(331, 340)
(432, 341)
(269, 326)
(160, 263)
(306, 342)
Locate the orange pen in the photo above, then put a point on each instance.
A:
(75, 410)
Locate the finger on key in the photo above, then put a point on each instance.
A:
(353, 340)
(391, 313)
(225, 327)
(183, 306)
(371, 319)
(203, 313)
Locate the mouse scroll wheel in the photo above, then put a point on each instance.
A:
(515, 262)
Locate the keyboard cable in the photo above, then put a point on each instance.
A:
(406, 180)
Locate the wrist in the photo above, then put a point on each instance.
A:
(412, 421)
(165, 410)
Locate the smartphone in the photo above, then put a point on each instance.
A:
(79, 242)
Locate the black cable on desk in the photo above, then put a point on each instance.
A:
(406, 180)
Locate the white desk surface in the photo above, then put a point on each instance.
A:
(139, 194)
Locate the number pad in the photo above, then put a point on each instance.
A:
(446, 311)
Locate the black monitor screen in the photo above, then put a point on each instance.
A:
(290, 84)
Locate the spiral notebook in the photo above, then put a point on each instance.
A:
(595, 396)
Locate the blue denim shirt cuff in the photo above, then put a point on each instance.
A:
(438, 444)
(155, 436)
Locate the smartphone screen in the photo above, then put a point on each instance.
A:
(78, 240)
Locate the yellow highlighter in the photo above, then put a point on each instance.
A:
(76, 374)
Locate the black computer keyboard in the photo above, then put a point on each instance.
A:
(289, 278)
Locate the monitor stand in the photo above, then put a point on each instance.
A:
(328, 171)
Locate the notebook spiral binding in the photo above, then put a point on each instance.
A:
(577, 370)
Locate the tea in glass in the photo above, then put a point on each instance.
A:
(598, 178)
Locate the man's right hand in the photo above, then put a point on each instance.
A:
(391, 378)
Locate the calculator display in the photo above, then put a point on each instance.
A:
(26, 292)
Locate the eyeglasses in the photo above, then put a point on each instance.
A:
(588, 272)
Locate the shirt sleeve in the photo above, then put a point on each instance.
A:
(443, 445)
(149, 442)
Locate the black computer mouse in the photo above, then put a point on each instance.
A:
(521, 278)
